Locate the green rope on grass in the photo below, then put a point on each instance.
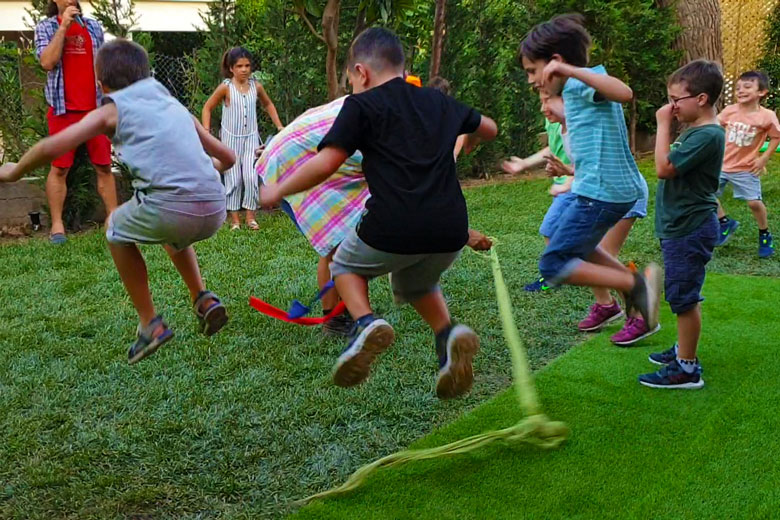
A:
(534, 429)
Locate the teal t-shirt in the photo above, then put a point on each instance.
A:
(555, 142)
(598, 137)
(685, 201)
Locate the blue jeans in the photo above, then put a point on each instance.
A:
(554, 212)
(685, 259)
(580, 229)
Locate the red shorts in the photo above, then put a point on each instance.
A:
(98, 148)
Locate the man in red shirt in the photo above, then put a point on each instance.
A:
(66, 45)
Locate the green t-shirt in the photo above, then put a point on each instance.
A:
(685, 201)
(555, 142)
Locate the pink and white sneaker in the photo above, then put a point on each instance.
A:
(600, 316)
(633, 331)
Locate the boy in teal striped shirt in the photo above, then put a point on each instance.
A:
(607, 183)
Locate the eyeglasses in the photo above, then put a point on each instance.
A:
(675, 101)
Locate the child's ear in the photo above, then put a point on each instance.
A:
(557, 57)
(363, 74)
(103, 89)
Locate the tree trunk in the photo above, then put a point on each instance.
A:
(360, 26)
(439, 28)
(330, 31)
(701, 34)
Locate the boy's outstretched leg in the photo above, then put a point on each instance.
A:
(211, 314)
(455, 346)
(152, 331)
(372, 335)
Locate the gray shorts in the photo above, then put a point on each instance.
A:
(143, 220)
(746, 185)
(413, 276)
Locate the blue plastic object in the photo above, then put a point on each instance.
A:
(299, 310)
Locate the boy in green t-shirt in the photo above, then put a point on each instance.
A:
(686, 219)
(557, 161)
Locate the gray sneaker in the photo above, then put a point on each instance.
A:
(354, 364)
(456, 374)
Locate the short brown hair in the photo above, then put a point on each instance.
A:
(761, 78)
(440, 84)
(700, 77)
(120, 63)
(378, 46)
(564, 35)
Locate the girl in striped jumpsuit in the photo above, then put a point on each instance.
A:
(239, 94)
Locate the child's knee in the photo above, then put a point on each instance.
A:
(756, 204)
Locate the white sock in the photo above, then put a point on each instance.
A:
(688, 365)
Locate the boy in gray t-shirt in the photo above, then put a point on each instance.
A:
(178, 198)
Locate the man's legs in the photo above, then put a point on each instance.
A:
(106, 187)
(56, 191)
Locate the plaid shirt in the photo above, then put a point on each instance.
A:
(55, 83)
(328, 212)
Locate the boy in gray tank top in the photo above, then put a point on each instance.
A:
(178, 197)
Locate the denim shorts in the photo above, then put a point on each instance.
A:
(580, 229)
(685, 259)
(554, 212)
(746, 185)
(289, 212)
(413, 276)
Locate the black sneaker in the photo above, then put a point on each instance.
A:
(673, 376)
(538, 285)
(665, 357)
(340, 325)
(354, 363)
(456, 374)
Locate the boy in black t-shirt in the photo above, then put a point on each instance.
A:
(415, 222)
(686, 212)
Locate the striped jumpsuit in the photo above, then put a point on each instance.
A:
(239, 133)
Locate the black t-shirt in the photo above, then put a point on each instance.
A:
(407, 136)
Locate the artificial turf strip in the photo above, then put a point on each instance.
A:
(634, 452)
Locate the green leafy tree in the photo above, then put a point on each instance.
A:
(770, 62)
(118, 17)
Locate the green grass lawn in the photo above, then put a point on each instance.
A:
(240, 425)
(634, 452)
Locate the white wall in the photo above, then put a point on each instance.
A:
(153, 15)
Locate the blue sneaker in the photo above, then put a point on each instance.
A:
(673, 376)
(726, 231)
(368, 341)
(665, 357)
(766, 246)
(456, 374)
(538, 286)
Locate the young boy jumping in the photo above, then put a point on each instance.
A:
(607, 182)
(415, 222)
(685, 218)
(748, 125)
(178, 197)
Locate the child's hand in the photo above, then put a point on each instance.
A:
(555, 167)
(514, 165)
(7, 172)
(664, 114)
(758, 167)
(478, 241)
(555, 68)
(558, 189)
(269, 196)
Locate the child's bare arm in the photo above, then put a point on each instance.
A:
(222, 156)
(313, 172)
(215, 99)
(269, 106)
(609, 87)
(516, 164)
(486, 131)
(100, 121)
(663, 142)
